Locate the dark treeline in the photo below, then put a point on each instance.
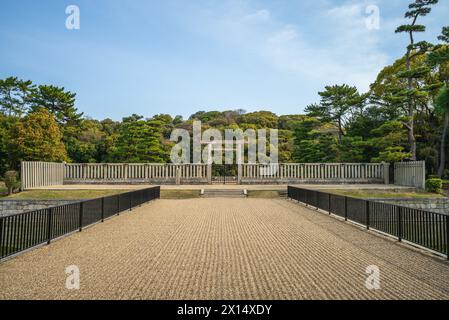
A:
(404, 116)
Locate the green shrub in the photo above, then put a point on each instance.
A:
(12, 181)
(434, 185)
(446, 174)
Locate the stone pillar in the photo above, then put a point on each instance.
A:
(239, 173)
(178, 175)
(423, 176)
(386, 170)
(209, 163)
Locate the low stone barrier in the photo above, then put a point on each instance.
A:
(169, 181)
(10, 207)
(437, 205)
(251, 181)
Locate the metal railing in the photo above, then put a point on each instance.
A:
(26, 230)
(426, 229)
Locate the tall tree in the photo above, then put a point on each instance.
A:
(139, 140)
(336, 102)
(442, 107)
(37, 137)
(15, 95)
(438, 60)
(419, 8)
(59, 102)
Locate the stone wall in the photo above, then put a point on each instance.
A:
(10, 207)
(438, 205)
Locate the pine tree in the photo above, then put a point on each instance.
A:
(139, 140)
(14, 96)
(59, 102)
(336, 102)
(419, 8)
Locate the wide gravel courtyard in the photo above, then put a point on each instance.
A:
(224, 249)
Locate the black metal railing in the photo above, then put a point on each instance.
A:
(426, 229)
(26, 230)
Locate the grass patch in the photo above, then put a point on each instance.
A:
(264, 194)
(63, 194)
(376, 194)
(180, 194)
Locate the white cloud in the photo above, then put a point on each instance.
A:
(342, 51)
(258, 16)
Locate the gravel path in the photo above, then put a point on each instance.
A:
(224, 249)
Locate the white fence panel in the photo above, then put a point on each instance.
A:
(134, 173)
(35, 174)
(410, 174)
(316, 172)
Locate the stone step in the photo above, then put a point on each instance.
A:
(283, 194)
(225, 193)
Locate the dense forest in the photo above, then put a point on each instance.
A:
(404, 116)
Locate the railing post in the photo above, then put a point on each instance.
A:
(346, 208)
(1, 238)
(49, 224)
(447, 237)
(102, 209)
(399, 209)
(81, 216)
(118, 204)
(367, 215)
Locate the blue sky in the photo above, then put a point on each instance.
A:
(178, 56)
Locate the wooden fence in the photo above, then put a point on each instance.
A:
(36, 174)
(410, 174)
(316, 172)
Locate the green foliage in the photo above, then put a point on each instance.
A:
(442, 101)
(434, 185)
(12, 181)
(315, 141)
(259, 120)
(59, 102)
(36, 137)
(139, 140)
(392, 154)
(444, 37)
(14, 96)
(336, 102)
(353, 149)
